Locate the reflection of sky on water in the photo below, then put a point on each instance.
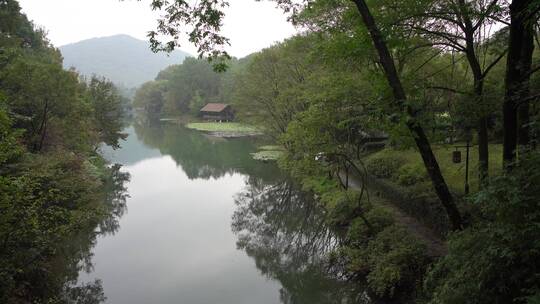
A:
(175, 244)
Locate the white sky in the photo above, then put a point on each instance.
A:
(250, 25)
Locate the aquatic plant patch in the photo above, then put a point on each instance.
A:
(222, 127)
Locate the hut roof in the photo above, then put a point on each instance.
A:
(214, 107)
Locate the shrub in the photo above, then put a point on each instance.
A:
(497, 258)
(410, 174)
(392, 261)
(398, 262)
(344, 207)
(383, 166)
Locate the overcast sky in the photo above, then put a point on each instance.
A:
(250, 25)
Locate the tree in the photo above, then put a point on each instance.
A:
(269, 91)
(464, 27)
(52, 183)
(42, 95)
(16, 30)
(178, 86)
(496, 259)
(422, 142)
(518, 72)
(196, 104)
(108, 111)
(150, 97)
(186, 80)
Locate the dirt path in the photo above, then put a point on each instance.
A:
(435, 246)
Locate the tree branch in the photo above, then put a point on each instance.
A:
(494, 63)
(448, 89)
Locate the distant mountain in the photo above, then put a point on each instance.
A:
(125, 60)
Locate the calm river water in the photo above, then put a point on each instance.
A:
(207, 224)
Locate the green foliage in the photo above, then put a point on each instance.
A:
(192, 79)
(204, 19)
(43, 95)
(453, 173)
(391, 260)
(269, 89)
(48, 201)
(398, 262)
(53, 187)
(411, 174)
(196, 104)
(384, 165)
(150, 97)
(495, 260)
(15, 28)
(10, 149)
(185, 89)
(108, 111)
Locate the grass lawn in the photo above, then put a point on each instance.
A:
(232, 127)
(453, 173)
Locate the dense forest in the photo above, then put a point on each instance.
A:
(185, 88)
(56, 192)
(434, 76)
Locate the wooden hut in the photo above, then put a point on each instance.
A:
(217, 112)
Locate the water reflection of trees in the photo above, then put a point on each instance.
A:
(202, 156)
(76, 254)
(132, 151)
(115, 195)
(284, 231)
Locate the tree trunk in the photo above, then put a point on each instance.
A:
(470, 51)
(524, 119)
(483, 139)
(422, 142)
(518, 68)
(483, 150)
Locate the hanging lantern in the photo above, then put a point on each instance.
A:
(456, 157)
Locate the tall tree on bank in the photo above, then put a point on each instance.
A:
(108, 111)
(518, 72)
(204, 20)
(422, 142)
